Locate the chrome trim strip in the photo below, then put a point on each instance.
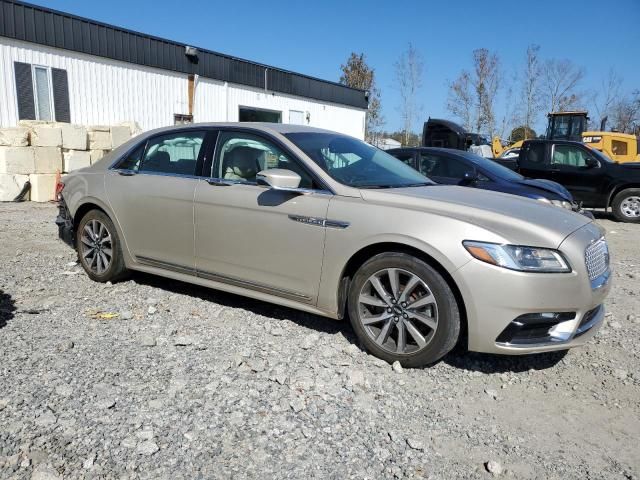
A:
(157, 174)
(319, 222)
(253, 286)
(224, 279)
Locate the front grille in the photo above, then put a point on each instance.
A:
(596, 257)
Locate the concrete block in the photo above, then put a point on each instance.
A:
(74, 137)
(75, 159)
(134, 128)
(46, 136)
(48, 159)
(43, 187)
(98, 128)
(11, 185)
(17, 160)
(119, 135)
(96, 155)
(99, 140)
(14, 137)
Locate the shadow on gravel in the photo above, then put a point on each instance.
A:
(258, 307)
(488, 363)
(7, 307)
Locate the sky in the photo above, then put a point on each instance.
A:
(315, 38)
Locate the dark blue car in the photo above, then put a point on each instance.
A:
(457, 167)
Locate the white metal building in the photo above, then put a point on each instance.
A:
(56, 66)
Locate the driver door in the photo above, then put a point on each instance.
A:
(253, 236)
(569, 167)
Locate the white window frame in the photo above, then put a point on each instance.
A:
(35, 91)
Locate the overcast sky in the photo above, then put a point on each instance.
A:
(314, 38)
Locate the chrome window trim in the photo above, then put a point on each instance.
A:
(260, 287)
(157, 174)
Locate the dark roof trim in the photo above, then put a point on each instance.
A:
(44, 26)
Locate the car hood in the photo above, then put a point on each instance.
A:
(516, 219)
(547, 186)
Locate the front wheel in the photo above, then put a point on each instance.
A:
(99, 249)
(626, 205)
(403, 310)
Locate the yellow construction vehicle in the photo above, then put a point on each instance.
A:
(620, 147)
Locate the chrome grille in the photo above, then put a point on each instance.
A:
(596, 257)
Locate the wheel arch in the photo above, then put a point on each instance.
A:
(369, 251)
(619, 188)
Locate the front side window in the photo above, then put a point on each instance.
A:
(618, 147)
(240, 156)
(569, 155)
(355, 163)
(175, 153)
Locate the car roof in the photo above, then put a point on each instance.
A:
(281, 128)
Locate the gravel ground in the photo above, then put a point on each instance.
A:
(187, 382)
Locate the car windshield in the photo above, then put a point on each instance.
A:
(493, 168)
(599, 155)
(355, 163)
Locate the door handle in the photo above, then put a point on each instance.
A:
(126, 173)
(218, 183)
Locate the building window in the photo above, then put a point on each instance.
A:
(181, 119)
(42, 93)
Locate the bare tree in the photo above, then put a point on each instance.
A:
(626, 113)
(606, 99)
(409, 69)
(356, 73)
(472, 96)
(531, 92)
(561, 79)
(460, 100)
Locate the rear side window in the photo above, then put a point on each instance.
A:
(440, 166)
(534, 154)
(405, 157)
(175, 153)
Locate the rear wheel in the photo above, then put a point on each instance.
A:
(403, 310)
(98, 248)
(626, 205)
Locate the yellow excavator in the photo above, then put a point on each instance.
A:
(620, 147)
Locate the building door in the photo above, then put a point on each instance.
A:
(249, 114)
(296, 117)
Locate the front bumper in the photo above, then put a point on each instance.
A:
(64, 221)
(497, 300)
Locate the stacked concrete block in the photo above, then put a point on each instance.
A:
(46, 136)
(17, 160)
(43, 187)
(74, 137)
(99, 139)
(14, 137)
(48, 159)
(11, 186)
(75, 159)
(97, 155)
(119, 135)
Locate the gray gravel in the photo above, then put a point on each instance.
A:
(186, 382)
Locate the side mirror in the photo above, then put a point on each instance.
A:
(469, 177)
(279, 179)
(591, 162)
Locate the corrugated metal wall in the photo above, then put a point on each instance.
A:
(103, 91)
(43, 26)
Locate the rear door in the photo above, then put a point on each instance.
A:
(534, 160)
(151, 192)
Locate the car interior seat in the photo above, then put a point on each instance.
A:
(158, 161)
(241, 163)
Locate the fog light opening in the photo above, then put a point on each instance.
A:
(533, 329)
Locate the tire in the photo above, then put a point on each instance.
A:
(626, 205)
(96, 241)
(423, 313)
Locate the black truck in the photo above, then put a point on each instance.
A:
(593, 178)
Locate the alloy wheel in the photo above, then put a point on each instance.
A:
(630, 207)
(96, 246)
(398, 311)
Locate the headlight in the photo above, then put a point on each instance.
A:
(517, 257)
(557, 203)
